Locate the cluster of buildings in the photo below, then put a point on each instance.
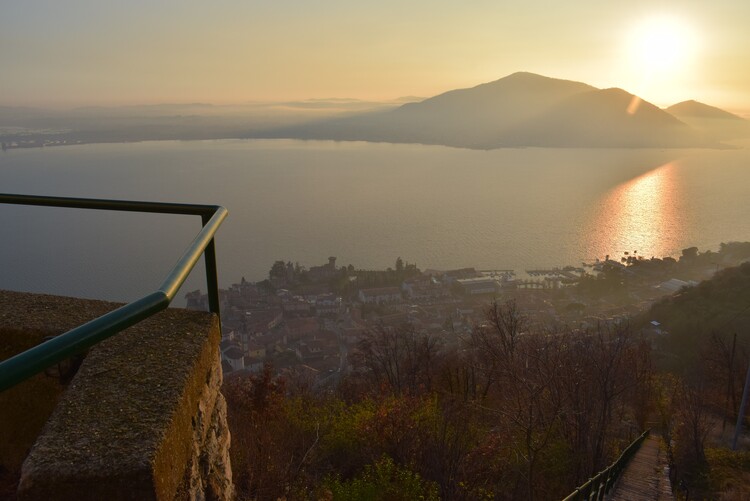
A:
(307, 329)
(34, 143)
(310, 330)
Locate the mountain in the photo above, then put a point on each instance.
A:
(699, 110)
(601, 118)
(519, 110)
(522, 109)
(713, 123)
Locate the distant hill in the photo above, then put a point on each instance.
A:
(718, 305)
(35, 127)
(600, 118)
(699, 110)
(522, 109)
(713, 123)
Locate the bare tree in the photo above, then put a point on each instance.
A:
(519, 369)
(401, 359)
(605, 376)
(724, 359)
(694, 420)
(553, 386)
(494, 344)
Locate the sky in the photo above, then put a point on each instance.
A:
(96, 52)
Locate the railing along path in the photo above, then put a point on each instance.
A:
(597, 487)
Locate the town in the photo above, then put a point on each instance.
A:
(306, 323)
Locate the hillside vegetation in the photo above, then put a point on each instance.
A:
(515, 411)
(702, 356)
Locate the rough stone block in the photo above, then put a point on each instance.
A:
(143, 409)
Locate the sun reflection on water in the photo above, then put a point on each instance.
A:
(644, 215)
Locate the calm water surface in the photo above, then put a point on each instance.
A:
(365, 203)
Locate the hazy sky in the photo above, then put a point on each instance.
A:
(78, 52)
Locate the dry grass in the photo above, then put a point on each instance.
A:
(729, 473)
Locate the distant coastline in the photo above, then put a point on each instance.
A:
(520, 110)
(17, 144)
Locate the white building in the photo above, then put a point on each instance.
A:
(481, 285)
(675, 284)
(329, 304)
(381, 295)
(235, 357)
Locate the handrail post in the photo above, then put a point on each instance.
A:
(212, 280)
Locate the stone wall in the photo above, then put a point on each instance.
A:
(143, 419)
(210, 473)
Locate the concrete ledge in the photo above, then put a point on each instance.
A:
(139, 410)
(25, 320)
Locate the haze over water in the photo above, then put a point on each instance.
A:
(365, 203)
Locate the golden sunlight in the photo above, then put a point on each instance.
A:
(644, 213)
(659, 52)
(661, 44)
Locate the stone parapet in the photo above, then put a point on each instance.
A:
(143, 419)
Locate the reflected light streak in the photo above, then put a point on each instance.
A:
(644, 215)
(635, 103)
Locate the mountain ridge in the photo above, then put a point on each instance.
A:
(702, 110)
(712, 123)
(522, 109)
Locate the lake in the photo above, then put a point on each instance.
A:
(365, 203)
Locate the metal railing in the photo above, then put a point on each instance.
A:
(598, 486)
(24, 365)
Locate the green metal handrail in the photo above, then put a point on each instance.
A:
(24, 365)
(599, 485)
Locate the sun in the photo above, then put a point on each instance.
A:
(660, 45)
(659, 60)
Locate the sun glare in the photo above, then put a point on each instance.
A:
(660, 54)
(661, 45)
